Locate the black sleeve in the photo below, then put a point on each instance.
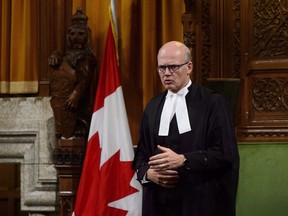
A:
(220, 149)
(142, 155)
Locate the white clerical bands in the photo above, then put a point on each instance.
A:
(175, 103)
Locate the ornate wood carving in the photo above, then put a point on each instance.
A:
(72, 103)
(70, 81)
(68, 156)
(246, 40)
(270, 28)
(266, 71)
(68, 160)
(197, 25)
(270, 94)
(66, 206)
(189, 31)
(254, 133)
(205, 37)
(236, 40)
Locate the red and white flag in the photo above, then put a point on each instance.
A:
(108, 185)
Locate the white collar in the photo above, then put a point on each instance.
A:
(175, 103)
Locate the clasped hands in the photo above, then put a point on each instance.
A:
(163, 167)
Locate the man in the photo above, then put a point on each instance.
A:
(187, 157)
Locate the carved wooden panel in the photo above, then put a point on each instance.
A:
(245, 39)
(236, 29)
(205, 39)
(269, 97)
(265, 70)
(270, 28)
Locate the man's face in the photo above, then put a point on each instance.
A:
(176, 79)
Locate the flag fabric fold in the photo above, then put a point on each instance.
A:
(108, 185)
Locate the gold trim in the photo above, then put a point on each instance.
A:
(21, 87)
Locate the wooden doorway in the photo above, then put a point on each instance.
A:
(10, 190)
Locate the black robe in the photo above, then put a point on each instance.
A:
(208, 186)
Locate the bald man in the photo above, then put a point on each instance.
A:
(187, 157)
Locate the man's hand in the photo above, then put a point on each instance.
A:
(164, 178)
(168, 160)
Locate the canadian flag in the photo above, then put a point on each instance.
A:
(108, 185)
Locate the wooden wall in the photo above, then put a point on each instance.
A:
(244, 39)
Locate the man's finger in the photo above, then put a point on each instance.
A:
(161, 148)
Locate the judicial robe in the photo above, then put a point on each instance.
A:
(208, 184)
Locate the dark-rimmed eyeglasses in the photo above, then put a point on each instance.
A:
(172, 68)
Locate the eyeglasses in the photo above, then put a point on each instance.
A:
(172, 68)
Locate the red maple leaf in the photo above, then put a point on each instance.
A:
(114, 184)
(99, 187)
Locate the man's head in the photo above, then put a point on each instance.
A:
(174, 65)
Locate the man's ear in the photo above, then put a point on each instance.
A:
(190, 68)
